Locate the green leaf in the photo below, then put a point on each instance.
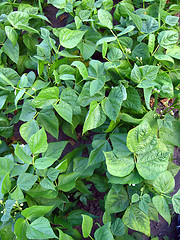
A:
(118, 166)
(165, 85)
(17, 194)
(104, 232)
(40, 229)
(86, 225)
(141, 52)
(94, 118)
(136, 74)
(112, 104)
(116, 201)
(2, 101)
(22, 155)
(70, 38)
(164, 183)
(104, 49)
(172, 136)
(78, 22)
(26, 181)
(143, 205)
(118, 228)
(47, 119)
(55, 149)
(118, 141)
(147, 95)
(97, 155)
(139, 137)
(99, 181)
(27, 28)
(174, 52)
(64, 110)
(96, 68)
(44, 194)
(176, 202)
(114, 54)
(171, 20)
(64, 236)
(135, 198)
(105, 18)
(16, 18)
(87, 49)
(11, 51)
(8, 207)
(67, 181)
(97, 84)
(6, 165)
(162, 207)
(136, 19)
(151, 42)
(20, 228)
(167, 39)
(153, 213)
(44, 162)
(46, 97)
(133, 100)
(136, 219)
(34, 212)
(121, 10)
(81, 67)
(28, 129)
(126, 30)
(6, 184)
(69, 96)
(151, 164)
(11, 34)
(85, 98)
(18, 97)
(38, 142)
(149, 25)
(46, 183)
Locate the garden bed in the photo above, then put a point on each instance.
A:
(89, 120)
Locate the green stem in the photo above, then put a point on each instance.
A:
(91, 237)
(155, 50)
(35, 115)
(40, 7)
(173, 70)
(120, 46)
(156, 100)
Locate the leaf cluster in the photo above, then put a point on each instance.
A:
(104, 73)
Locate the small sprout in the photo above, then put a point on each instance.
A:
(172, 113)
(21, 204)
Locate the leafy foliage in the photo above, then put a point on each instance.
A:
(101, 76)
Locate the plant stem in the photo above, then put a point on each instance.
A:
(156, 100)
(35, 115)
(91, 237)
(120, 46)
(155, 50)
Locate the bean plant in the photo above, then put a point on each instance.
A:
(101, 77)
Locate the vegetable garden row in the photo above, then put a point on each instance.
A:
(102, 75)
